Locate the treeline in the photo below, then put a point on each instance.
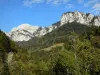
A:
(6, 46)
(79, 54)
(58, 35)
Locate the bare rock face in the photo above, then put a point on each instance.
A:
(25, 32)
(83, 18)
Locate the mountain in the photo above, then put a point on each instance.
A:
(58, 35)
(25, 32)
(64, 51)
(80, 17)
(71, 48)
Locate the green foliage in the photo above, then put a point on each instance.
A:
(6, 46)
(58, 35)
(79, 53)
(65, 65)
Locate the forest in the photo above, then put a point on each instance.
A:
(72, 49)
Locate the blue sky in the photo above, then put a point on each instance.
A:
(41, 12)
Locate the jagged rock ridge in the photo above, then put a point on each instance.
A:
(25, 32)
(80, 17)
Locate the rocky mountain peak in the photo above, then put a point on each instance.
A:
(28, 27)
(25, 32)
(80, 17)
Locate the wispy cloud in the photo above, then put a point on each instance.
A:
(91, 2)
(96, 8)
(80, 1)
(48, 1)
(54, 2)
(94, 5)
(69, 6)
(30, 2)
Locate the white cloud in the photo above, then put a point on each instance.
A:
(80, 1)
(91, 2)
(48, 1)
(54, 2)
(96, 8)
(69, 6)
(94, 5)
(30, 2)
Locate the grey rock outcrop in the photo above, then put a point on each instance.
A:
(80, 17)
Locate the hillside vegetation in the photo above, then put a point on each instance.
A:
(73, 49)
(6, 46)
(58, 35)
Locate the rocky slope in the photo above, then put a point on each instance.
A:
(80, 17)
(25, 32)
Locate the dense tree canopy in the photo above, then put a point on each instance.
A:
(6, 46)
(61, 52)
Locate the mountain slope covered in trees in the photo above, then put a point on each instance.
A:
(6, 47)
(58, 35)
(73, 49)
